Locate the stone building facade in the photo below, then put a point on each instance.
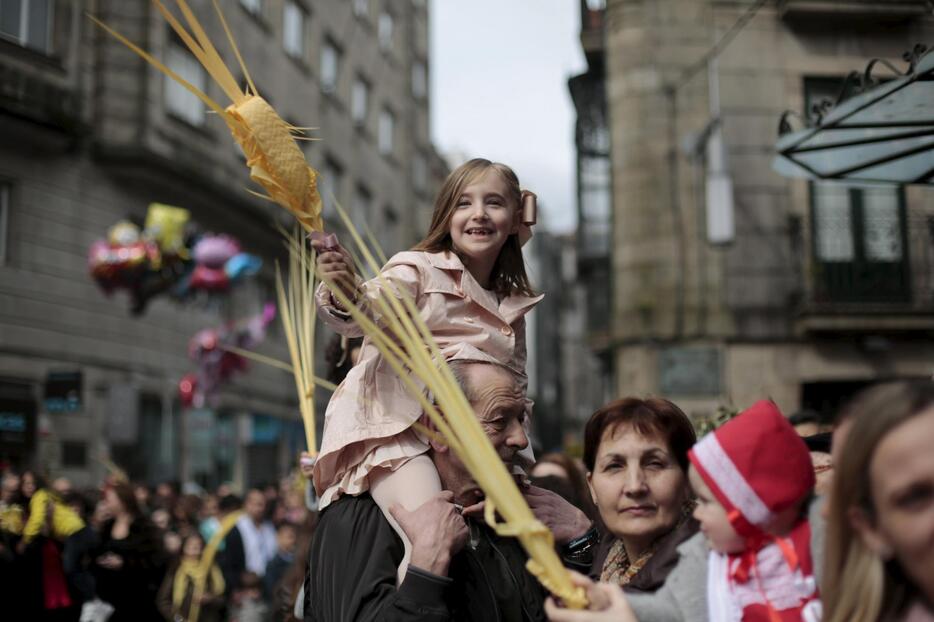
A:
(797, 291)
(90, 134)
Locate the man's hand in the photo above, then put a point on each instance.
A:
(606, 604)
(335, 266)
(436, 530)
(563, 519)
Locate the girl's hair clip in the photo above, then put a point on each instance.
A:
(529, 208)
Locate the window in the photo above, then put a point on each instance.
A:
(419, 172)
(361, 8)
(359, 98)
(253, 6)
(419, 79)
(330, 67)
(387, 122)
(4, 220)
(28, 23)
(332, 180)
(858, 233)
(385, 31)
(293, 30)
(389, 231)
(178, 100)
(361, 208)
(595, 203)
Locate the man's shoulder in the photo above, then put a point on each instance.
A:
(353, 518)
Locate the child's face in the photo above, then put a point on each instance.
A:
(193, 547)
(285, 539)
(484, 217)
(713, 519)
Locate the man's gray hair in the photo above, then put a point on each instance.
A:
(459, 369)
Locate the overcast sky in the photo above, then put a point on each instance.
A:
(499, 90)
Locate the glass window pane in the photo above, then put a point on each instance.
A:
(419, 79)
(386, 129)
(293, 30)
(38, 25)
(253, 6)
(385, 31)
(178, 100)
(833, 227)
(882, 230)
(11, 17)
(358, 100)
(329, 67)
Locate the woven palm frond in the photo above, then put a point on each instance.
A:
(276, 162)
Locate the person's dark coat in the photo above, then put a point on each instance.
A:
(132, 588)
(651, 576)
(232, 560)
(355, 554)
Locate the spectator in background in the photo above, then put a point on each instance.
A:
(247, 600)
(286, 538)
(130, 560)
(143, 498)
(176, 595)
(251, 544)
(561, 474)
(806, 422)
(340, 355)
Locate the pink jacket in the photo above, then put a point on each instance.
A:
(368, 420)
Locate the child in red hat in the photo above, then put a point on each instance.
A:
(753, 479)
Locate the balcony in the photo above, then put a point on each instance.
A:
(864, 295)
(885, 10)
(35, 96)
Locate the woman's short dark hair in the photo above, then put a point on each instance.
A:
(653, 416)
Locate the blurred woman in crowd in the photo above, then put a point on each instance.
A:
(129, 562)
(176, 596)
(635, 452)
(561, 474)
(880, 549)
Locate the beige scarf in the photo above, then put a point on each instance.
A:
(190, 570)
(619, 569)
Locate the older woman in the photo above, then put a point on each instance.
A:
(880, 549)
(635, 451)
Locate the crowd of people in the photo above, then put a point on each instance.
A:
(125, 551)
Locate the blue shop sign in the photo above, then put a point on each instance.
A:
(63, 392)
(266, 430)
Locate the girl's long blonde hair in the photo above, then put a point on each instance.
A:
(859, 586)
(508, 276)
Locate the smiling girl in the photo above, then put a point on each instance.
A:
(467, 279)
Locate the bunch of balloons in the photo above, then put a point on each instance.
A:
(216, 364)
(162, 258)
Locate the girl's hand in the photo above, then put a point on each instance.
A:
(607, 604)
(335, 265)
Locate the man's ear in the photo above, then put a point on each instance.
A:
(869, 532)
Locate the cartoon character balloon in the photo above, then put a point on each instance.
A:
(160, 258)
(216, 364)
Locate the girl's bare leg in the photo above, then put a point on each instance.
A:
(411, 485)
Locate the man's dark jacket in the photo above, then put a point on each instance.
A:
(353, 561)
